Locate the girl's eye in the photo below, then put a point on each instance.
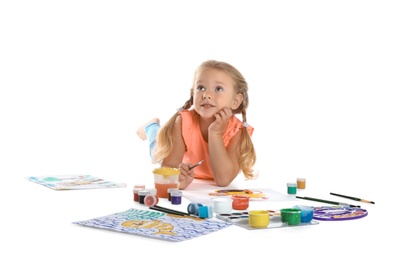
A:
(219, 89)
(200, 87)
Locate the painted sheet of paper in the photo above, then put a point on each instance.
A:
(155, 224)
(206, 196)
(74, 182)
(205, 191)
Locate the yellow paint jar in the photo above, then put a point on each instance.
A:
(259, 218)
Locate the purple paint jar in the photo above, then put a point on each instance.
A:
(176, 197)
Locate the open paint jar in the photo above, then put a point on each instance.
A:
(306, 214)
(259, 218)
(240, 202)
(222, 205)
(291, 216)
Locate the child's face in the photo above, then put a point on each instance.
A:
(213, 91)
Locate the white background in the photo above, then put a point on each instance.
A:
(327, 88)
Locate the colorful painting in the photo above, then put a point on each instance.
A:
(156, 224)
(252, 194)
(74, 182)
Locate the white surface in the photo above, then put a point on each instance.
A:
(328, 100)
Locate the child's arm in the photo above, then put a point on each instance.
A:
(224, 160)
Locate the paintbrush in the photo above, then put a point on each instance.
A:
(172, 211)
(352, 198)
(195, 165)
(167, 210)
(328, 201)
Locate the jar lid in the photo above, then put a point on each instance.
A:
(153, 191)
(150, 200)
(176, 193)
(143, 192)
(166, 171)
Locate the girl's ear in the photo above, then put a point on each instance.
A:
(237, 101)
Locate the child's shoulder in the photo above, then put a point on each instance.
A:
(188, 115)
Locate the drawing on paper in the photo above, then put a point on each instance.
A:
(156, 224)
(74, 182)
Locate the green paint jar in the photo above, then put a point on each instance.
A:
(291, 216)
(292, 188)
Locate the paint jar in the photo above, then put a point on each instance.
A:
(176, 196)
(142, 195)
(301, 183)
(169, 190)
(151, 199)
(259, 218)
(291, 216)
(152, 191)
(136, 189)
(240, 202)
(292, 188)
(193, 208)
(306, 214)
(205, 211)
(222, 205)
(165, 178)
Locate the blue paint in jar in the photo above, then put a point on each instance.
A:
(306, 214)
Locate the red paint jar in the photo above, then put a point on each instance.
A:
(136, 189)
(240, 202)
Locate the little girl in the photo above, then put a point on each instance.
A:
(206, 128)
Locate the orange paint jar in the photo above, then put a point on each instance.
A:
(301, 183)
(240, 202)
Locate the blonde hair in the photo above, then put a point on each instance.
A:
(246, 148)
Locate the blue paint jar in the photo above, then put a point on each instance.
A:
(192, 208)
(205, 211)
(306, 214)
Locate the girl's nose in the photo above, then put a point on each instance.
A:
(206, 96)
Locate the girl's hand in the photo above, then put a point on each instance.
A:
(186, 176)
(221, 121)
